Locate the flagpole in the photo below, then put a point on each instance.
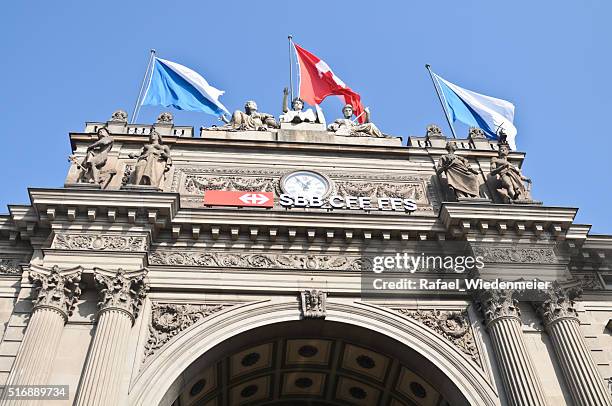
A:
(144, 79)
(428, 66)
(290, 37)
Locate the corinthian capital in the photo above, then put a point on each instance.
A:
(122, 290)
(495, 304)
(559, 302)
(55, 288)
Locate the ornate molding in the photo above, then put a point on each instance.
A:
(55, 288)
(123, 290)
(259, 261)
(454, 326)
(313, 304)
(198, 184)
(495, 304)
(168, 320)
(559, 302)
(544, 255)
(9, 266)
(99, 242)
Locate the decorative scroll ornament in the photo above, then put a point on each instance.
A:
(559, 302)
(197, 184)
(495, 304)
(123, 290)
(545, 255)
(476, 133)
(55, 288)
(168, 320)
(313, 304)
(99, 242)
(433, 131)
(452, 325)
(9, 266)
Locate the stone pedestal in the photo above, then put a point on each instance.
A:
(502, 317)
(58, 291)
(579, 370)
(121, 299)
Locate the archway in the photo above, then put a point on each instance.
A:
(263, 354)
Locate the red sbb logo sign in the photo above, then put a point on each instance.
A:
(243, 199)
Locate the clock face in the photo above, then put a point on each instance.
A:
(306, 184)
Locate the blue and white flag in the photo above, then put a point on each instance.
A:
(477, 110)
(172, 84)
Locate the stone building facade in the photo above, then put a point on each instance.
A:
(125, 285)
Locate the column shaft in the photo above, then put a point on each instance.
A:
(105, 368)
(34, 360)
(518, 374)
(579, 370)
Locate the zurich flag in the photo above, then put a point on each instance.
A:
(477, 110)
(172, 84)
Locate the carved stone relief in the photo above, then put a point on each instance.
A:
(99, 242)
(558, 303)
(313, 304)
(123, 290)
(9, 266)
(55, 288)
(452, 325)
(260, 260)
(544, 255)
(168, 320)
(192, 182)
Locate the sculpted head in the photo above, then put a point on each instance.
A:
(103, 132)
(504, 150)
(297, 104)
(250, 106)
(451, 147)
(347, 110)
(154, 137)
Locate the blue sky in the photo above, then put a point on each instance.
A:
(67, 62)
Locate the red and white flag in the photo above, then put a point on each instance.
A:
(317, 81)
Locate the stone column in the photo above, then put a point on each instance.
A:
(579, 369)
(121, 296)
(502, 317)
(57, 292)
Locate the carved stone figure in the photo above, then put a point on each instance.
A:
(121, 290)
(249, 119)
(297, 114)
(510, 181)
(347, 127)
(59, 289)
(153, 162)
(119, 116)
(314, 304)
(462, 179)
(91, 168)
(165, 118)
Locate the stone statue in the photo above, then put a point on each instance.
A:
(250, 119)
(296, 115)
(349, 128)
(153, 162)
(165, 118)
(120, 116)
(510, 180)
(95, 159)
(461, 177)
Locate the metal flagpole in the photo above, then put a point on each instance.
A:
(290, 37)
(142, 85)
(428, 66)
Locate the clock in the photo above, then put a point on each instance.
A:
(306, 184)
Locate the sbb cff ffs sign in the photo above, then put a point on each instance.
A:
(242, 199)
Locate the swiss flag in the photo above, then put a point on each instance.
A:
(317, 81)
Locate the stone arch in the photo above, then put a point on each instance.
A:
(160, 376)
